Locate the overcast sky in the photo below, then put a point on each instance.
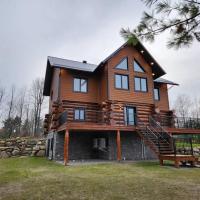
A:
(80, 30)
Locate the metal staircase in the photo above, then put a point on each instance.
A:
(154, 135)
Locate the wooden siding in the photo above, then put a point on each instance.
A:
(113, 114)
(142, 111)
(54, 87)
(103, 84)
(163, 103)
(70, 106)
(67, 93)
(130, 95)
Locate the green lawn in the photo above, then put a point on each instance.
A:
(38, 178)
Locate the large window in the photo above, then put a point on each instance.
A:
(79, 114)
(80, 85)
(123, 64)
(137, 67)
(121, 81)
(129, 115)
(140, 84)
(156, 94)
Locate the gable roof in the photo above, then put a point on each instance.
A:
(87, 67)
(53, 62)
(156, 68)
(162, 80)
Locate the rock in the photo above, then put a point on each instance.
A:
(31, 142)
(195, 149)
(15, 152)
(33, 153)
(4, 154)
(2, 142)
(28, 149)
(40, 153)
(42, 147)
(39, 143)
(6, 148)
(36, 148)
(8, 143)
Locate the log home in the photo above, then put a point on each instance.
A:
(116, 110)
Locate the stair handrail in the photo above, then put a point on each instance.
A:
(146, 127)
(151, 119)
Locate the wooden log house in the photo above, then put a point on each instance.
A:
(116, 110)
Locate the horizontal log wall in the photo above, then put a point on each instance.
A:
(110, 112)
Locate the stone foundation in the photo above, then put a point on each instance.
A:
(13, 147)
(81, 146)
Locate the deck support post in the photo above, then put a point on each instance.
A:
(66, 147)
(119, 156)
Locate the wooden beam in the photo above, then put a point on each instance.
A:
(119, 156)
(66, 147)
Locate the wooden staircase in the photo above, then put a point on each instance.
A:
(154, 135)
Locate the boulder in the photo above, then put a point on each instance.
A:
(15, 152)
(31, 142)
(195, 149)
(33, 153)
(40, 153)
(28, 149)
(39, 143)
(8, 143)
(42, 147)
(36, 148)
(4, 154)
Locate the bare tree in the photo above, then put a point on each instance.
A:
(11, 102)
(20, 106)
(38, 98)
(183, 106)
(196, 108)
(2, 94)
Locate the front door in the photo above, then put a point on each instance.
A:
(129, 115)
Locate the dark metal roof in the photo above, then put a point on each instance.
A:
(162, 80)
(66, 64)
(71, 64)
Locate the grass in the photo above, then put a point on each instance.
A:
(38, 178)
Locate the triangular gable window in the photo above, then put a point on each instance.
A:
(137, 67)
(123, 64)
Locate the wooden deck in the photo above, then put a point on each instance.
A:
(178, 158)
(79, 126)
(73, 126)
(178, 131)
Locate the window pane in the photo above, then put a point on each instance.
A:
(129, 115)
(82, 114)
(83, 85)
(143, 84)
(76, 84)
(125, 116)
(123, 64)
(125, 82)
(137, 67)
(156, 94)
(118, 81)
(76, 114)
(137, 84)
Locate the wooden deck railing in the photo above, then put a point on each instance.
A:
(179, 122)
(97, 117)
(90, 116)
